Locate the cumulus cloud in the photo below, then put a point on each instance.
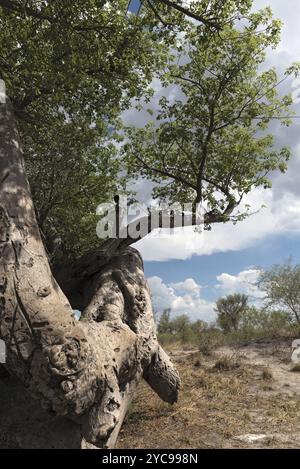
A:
(182, 298)
(162, 294)
(185, 297)
(244, 282)
(189, 285)
(279, 216)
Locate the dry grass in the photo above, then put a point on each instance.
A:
(227, 363)
(295, 368)
(219, 401)
(228, 399)
(267, 374)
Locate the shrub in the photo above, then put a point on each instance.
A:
(209, 339)
(267, 374)
(227, 363)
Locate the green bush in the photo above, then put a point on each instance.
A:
(255, 324)
(208, 340)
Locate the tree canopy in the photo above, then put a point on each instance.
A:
(72, 68)
(230, 311)
(281, 285)
(209, 144)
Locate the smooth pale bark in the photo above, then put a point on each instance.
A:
(85, 370)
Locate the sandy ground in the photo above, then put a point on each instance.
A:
(253, 401)
(245, 397)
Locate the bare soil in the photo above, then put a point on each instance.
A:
(245, 397)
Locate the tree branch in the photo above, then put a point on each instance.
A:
(151, 6)
(165, 173)
(190, 14)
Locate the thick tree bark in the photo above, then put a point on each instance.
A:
(85, 370)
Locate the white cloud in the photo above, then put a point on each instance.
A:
(162, 295)
(189, 285)
(289, 12)
(185, 297)
(182, 298)
(244, 282)
(281, 215)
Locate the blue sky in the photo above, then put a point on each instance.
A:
(212, 272)
(205, 269)
(189, 271)
(134, 5)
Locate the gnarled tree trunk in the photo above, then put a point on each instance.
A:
(86, 370)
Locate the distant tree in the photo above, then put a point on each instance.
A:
(277, 323)
(253, 318)
(181, 325)
(71, 69)
(199, 326)
(164, 325)
(260, 322)
(281, 284)
(230, 310)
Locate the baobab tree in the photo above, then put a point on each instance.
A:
(70, 69)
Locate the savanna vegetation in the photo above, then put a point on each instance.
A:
(71, 69)
(240, 389)
(238, 321)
